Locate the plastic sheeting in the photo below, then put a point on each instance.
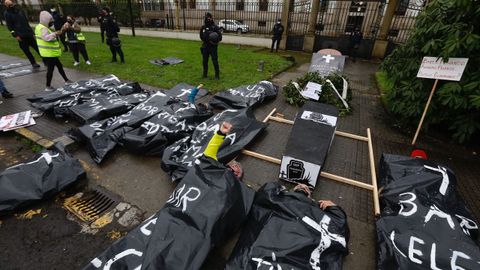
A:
(166, 61)
(102, 107)
(207, 206)
(245, 96)
(47, 174)
(424, 223)
(287, 230)
(182, 90)
(181, 155)
(175, 121)
(102, 136)
(60, 100)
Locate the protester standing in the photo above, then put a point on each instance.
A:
(112, 29)
(76, 40)
(210, 35)
(4, 91)
(277, 35)
(355, 40)
(18, 26)
(58, 22)
(102, 27)
(49, 47)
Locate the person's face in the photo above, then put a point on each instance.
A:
(304, 188)
(70, 19)
(9, 4)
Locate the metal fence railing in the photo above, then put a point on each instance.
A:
(336, 18)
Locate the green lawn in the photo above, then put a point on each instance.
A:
(237, 66)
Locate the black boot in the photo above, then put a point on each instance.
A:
(205, 75)
(6, 94)
(217, 76)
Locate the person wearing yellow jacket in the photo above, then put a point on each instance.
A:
(76, 40)
(214, 144)
(49, 47)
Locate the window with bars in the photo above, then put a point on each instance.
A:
(240, 4)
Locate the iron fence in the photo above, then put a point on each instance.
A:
(335, 19)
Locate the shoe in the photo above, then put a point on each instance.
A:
(35, 65)
(6, 94)
(217, 78)
(205, 75)
(76, 63)
(49, 89)
(88, 63)
(122, 62)
(114, 60)
(68, 82)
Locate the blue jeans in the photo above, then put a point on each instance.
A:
(2, 87)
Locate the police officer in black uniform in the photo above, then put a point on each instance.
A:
(210, 36)
(111, 30)
(277, 35)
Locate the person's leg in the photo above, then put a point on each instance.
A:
(60, 69)
(64, 42)
(50, 66)
(114, 53)
(83, 51)
(214, 53)
(74, 49)
(4, 92)
(24, 44)
(120, 52)
(33, 44)
(278, 44)
(205, 56)
(102, 34)
(273, 44)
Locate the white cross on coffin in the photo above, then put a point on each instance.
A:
(328, 58)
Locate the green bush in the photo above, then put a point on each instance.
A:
(447, 28)
(293, 96)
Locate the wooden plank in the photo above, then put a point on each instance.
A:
(345, 180)
(269, 115)
(376, 203)
(281, 120)
(351, 136)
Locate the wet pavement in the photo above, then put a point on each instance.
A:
(54, 239)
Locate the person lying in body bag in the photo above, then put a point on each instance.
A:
(209, 204)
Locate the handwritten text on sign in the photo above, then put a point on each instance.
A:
(435, 68)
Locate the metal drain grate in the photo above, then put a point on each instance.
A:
(91, 205)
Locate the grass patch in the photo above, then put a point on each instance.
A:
(238, 66)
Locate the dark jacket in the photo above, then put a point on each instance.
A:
(17, 22)
(110, 26)
(278, 31)
(205, 32)
(58, 20)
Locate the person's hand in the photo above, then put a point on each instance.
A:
(303, 187)
(59, 32)
(225, 128)
(325, 203)
(18, 38)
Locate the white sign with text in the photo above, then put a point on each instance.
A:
(435, 68)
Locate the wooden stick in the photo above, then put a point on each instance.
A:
(376, 203)
(281, 120)
(269, 115)
(324, 174)
(425, 112)
(351, 136)
(347, 181)
(261, 156)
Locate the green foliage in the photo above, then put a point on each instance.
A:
(447, 28)
(293, 96)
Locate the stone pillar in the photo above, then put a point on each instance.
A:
(285, 11)
(177, 14)
(309, 40)
(380, 46)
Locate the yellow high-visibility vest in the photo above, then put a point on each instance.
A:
(47, 48)
(80, 37)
